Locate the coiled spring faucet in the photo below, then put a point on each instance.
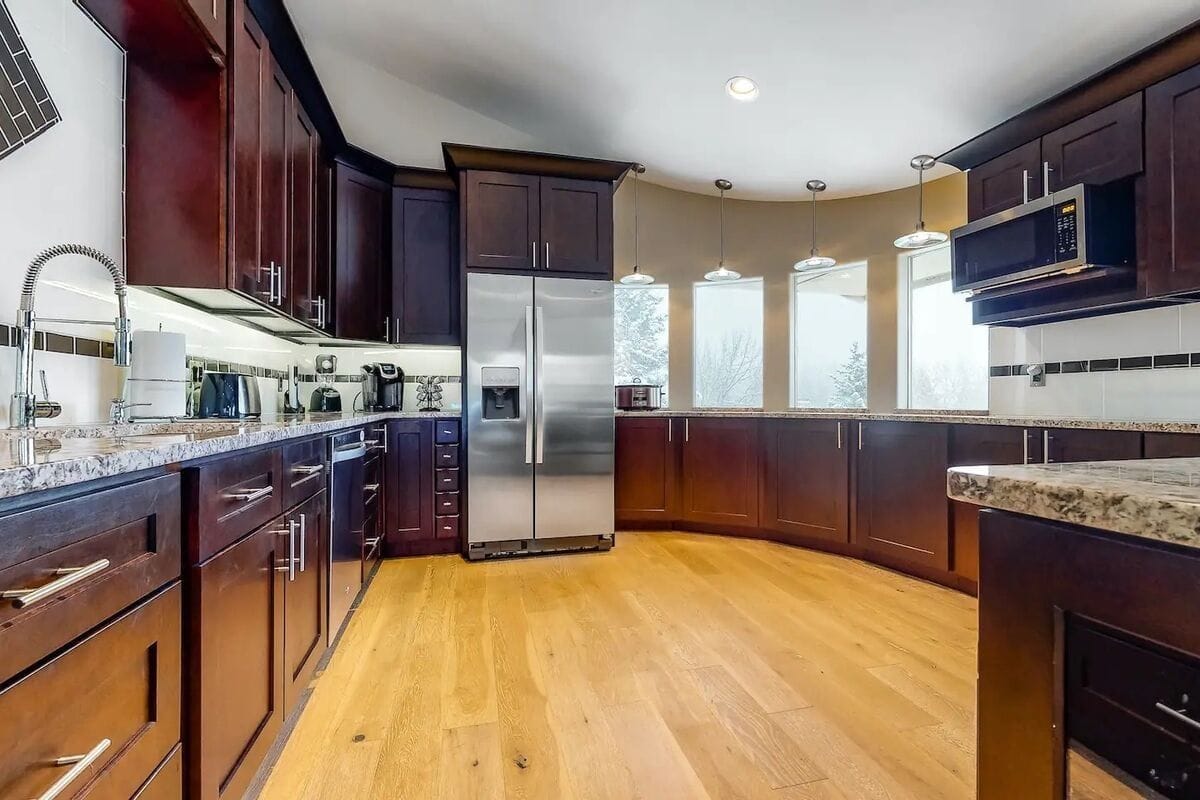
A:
(25, 408)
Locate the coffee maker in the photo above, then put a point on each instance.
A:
(382, 387)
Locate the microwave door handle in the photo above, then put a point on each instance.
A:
(529, 385)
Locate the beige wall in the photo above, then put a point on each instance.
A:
(680, 242)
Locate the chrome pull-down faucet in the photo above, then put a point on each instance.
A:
(24, 407)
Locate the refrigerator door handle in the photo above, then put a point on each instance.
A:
(539, 411)
(529, 384)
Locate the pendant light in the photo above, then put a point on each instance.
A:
(722, 273)
(637, 277)
(921, 237)
(815, 260)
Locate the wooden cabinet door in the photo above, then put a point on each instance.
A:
(235, 666)
(323, 244)
(503, 227)
(302, 194)
(276, 113)
(902, 510)
(1070, 444)
(1102, 147)
(1001, 183)
(360, 260)
(304, 616)
(720, 471)
(211, 15)
(425, 266)
(249, 67)
(576, 226)
(1172, 262)
(1170, 445)
(645, 471)
(409, 486)
(806, 478)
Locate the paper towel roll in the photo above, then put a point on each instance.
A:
(158, 356)
(156, 398)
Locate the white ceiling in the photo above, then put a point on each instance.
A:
(849, 90)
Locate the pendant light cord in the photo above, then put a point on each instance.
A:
(921, 200)
(635, 221)
(813, 251)
(722, 263)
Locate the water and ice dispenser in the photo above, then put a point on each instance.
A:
(501, 387)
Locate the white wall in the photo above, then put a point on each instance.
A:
(1162, 393)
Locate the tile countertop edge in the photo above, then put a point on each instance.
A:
(1165, 512)
(956, 418)
(137, 453)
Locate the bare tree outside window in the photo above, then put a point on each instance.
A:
(728, 339)
(640, 335)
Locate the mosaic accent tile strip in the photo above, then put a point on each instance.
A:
(1167, 361)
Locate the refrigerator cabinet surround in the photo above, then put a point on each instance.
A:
(539, 414)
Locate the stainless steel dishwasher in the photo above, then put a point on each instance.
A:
(347, 452)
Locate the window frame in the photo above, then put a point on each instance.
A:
(792, 279)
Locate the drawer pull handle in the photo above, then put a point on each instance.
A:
(69, 577)
(78, 764)
(371, 487)
(1178, 716)
(250, 495)
(308, 470)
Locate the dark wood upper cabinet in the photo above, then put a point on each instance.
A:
(720, 471)
(1005, 181)
(1074, 444)
(248, 75)
(425, 266)
(646, 470)
(502, 220)
(302, 194)
(806, 478)
(361, 220)
(576, 226)
(1172, 262)
(901, 510)
(211, 15)
(236, 703)
(305, 611)
(1100, 148)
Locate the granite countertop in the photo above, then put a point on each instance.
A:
(50, 457)
(954, 417)
(1150, 498)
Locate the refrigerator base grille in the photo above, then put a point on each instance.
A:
(479, 551)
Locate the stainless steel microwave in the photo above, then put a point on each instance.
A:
(1063, 233)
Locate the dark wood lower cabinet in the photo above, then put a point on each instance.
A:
(236, 637)
(410, 525)
(1063, 445)
(901, 512)
(646, 466)
(305, 611)
(806, 479)
(720, 471)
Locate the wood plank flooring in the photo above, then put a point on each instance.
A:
(674, 666)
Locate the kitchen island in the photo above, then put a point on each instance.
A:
(1089, 652)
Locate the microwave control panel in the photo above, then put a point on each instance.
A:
(1066, 231)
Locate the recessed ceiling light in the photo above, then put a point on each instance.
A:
(739, 87)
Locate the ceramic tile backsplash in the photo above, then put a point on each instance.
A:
(1119, 366)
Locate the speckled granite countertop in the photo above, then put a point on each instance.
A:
(1150, 498)
(50, 457)
(954, 417)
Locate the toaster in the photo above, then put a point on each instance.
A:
(228, 395)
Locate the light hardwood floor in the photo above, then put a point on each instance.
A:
(674, 666)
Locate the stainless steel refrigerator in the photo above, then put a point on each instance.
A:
(538, 393)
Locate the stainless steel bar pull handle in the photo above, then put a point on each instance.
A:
(839, 436)
(860, 436)
(1024, 186)
(303, 536)
(387, 329)
(1178, 716)
(78, 764)
(1025, 446)
(547, 255)
(529, 379)
(69, 576)
(687, 430)
(533, 247)
(308, 470)
(1046, 170)
(540, 354)
(1046, 447)
(371, 487)
(250, 495)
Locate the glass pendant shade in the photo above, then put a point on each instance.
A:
(637, 277)
(722, 272)
(815, 260)
(920, 237)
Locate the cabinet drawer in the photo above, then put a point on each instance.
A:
(167, 781)
(445, 455)
(127, 540)
(113, 696)
(445, 528)
(304, 470)
(232, 497)
(445, 504)
(376, 441)
(446, 480)
(445, 431)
